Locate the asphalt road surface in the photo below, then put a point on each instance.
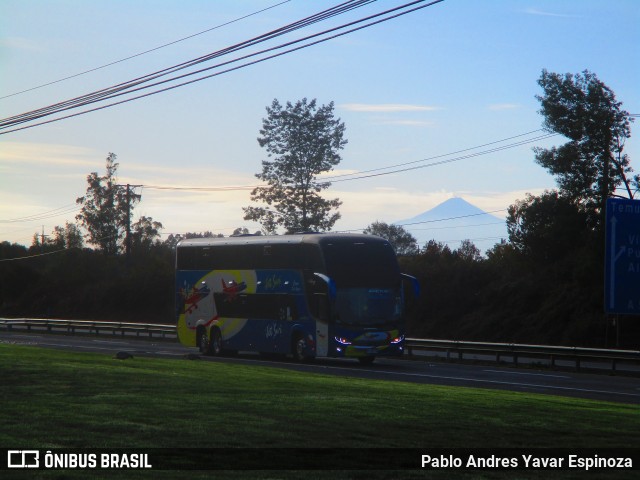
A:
(623, 389)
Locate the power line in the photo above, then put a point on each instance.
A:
(66, 249)
(127, 87)
(106, 94)
(35, 255)
(56, 212)
(434, 221)
(111, 92)
(330, 178)
(146, 51)
(224, 188)
(358, 176)
(227, 188)
(452, 218)
(456, 226)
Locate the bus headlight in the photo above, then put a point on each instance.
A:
(398, 339)
(342, 340)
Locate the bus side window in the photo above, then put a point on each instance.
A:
(287, 308)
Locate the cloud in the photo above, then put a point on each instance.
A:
(49, 154)
(410, 123)
(533, 11)
(387, 107)
(337, 173)
(21, 43)
(503, 106)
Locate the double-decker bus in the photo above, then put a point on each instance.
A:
(307, 295)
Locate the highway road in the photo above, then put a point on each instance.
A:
(595, 386)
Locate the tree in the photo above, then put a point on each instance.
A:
(592, 164)
(172, 240)
(68, 236)
(302, 140)
(106, 212)
(546, 228)
(145, 233)
(244, 231)
(403, 242)
(468, 251)
(104, 208)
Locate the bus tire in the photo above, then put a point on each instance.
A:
(215, 346)
(299, 347)
(204, 344)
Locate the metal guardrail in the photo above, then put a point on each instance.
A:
(516, 352)
(451, 348)
(89, 326)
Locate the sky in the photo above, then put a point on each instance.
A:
(434, 86)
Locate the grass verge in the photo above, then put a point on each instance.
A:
(54, 399)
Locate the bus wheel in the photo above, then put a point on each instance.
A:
(203, 341)
(299, 347)
(216, 342)
(366, 360)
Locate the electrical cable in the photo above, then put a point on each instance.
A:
(8, 123)
(224, 188)
(331, 178)
(66, 249)
(57, 212)
(146, 51)
(358, 176)
(110, 92)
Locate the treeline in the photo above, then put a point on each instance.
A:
(504, 296)
(509, 297)
(86, 284)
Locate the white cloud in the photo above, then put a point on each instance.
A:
(387, 107)
(21, 43)
(337, 173)
(534, 11)
(49, 154)
(408, 123)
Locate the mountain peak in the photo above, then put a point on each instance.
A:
(454, 220)
(449, 209)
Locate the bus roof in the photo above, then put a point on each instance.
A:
(308, 238)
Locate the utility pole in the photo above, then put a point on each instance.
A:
(42, 236)
(127, 240)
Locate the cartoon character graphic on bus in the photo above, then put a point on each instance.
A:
(231, 289)
(197, 304)
(193, 296)
(200, 300)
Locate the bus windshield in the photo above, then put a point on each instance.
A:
(362, 264)
(368, 306)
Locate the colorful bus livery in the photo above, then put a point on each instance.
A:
(311, 295)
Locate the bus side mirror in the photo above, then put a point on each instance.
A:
(411, 290)
(331, 285)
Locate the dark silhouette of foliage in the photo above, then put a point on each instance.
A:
(403, 242)
(302, 140)
(592, 164)
(104, 208)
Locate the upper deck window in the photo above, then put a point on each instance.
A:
(352, 264)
